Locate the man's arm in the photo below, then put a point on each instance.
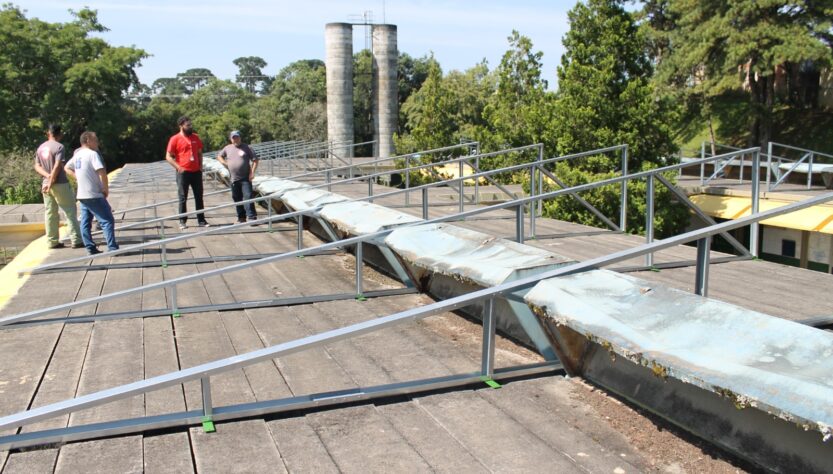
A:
(255, 161)
(172, 160)
(105, 183)
(40, 169)
(221, 157)
(53, 176)
(70, 169)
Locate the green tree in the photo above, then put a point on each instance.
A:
(605, 97)
(363, 129)
(411, 73)
(195, 78)
(218, 108)
(429, 115)
(250, 73)
(170, 87)
(59, 72)
(295, 107)
(520, 111)
(721, 47)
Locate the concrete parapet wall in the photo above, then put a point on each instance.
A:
(758, 385)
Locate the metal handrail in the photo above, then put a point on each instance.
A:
(205, 371)
(164, 241)
(808, 155)
(517, 204)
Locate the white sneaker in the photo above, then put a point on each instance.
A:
(182, 226)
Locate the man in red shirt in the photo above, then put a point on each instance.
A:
(184, 153)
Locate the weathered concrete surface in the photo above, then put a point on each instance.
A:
(716, 368)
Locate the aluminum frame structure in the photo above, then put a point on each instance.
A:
(520, 237)
(809, 156)
(170, 285)
(204, 372)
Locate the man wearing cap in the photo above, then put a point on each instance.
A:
(57, 193)
(241, 162)
(184, 153)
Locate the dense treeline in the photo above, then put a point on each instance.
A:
(654, 79)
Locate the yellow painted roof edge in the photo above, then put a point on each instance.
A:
(816, 219)
(31, 256)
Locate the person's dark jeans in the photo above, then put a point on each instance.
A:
(183, 181)
(242, 191)
(100, 208)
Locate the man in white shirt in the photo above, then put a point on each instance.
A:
(93, 188)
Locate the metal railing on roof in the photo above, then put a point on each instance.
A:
(518, 205)
(209, 413)
(533, 167)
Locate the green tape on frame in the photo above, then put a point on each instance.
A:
(490, 382)
(208, 425)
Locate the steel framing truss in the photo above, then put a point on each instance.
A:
(209, 413)
(488, 373)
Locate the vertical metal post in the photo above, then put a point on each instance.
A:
(174, 307)
(754, 228)
(519, 224)
(269, 207)
(768, 165)
(300, 232)
(207, 407)
(329, 185)
(407, 180)
(487, 367)
(370, 188)
(460, 194)
(533, 205)
(623, 216)
(425, 203)
(540, 203)
(477, 182)
(359, 264)
(702, 164)
(810, 172)
(649, 218)
(701, 275)
(742, 166)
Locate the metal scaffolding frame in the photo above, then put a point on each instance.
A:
(423, 189)
(203, 372)
(347, 243)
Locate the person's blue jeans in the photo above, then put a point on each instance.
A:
(242, 191)
(100, 209)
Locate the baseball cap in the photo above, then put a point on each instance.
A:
(235, 133)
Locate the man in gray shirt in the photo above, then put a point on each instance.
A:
(57, 193)
(241, 162)
(93, 188)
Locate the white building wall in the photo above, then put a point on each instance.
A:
(771, 242)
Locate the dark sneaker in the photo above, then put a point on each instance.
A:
(252, 219)
(59, 245)
(78, 245)
(240, 221)
(203, 224)
(93, 252)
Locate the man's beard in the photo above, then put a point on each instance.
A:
(187, 131)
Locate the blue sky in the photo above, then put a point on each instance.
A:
(212, 33)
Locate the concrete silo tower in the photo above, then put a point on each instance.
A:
(338, 39)
(386, 88)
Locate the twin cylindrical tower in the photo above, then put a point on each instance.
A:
(339, 59)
